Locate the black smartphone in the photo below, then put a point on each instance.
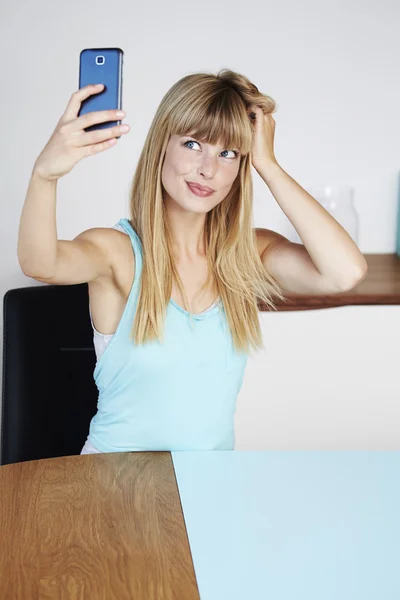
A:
(101, 65)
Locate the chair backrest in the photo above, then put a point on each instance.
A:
(49, 394)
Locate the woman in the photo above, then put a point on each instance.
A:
(174, 290)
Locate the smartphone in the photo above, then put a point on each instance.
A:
(101, 65)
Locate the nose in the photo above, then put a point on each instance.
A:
(208, 166)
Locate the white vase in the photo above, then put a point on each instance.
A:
(338, 200)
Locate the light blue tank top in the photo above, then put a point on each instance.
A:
(176, 395)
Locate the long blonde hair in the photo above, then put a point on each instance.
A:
(214, 108)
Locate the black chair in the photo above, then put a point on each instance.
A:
(49, 394)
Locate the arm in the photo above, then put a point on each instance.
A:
(45, 258)
(327, 245)
(40, 254)
(329, 261)
(292, 267)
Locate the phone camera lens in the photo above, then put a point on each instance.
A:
(99, 60)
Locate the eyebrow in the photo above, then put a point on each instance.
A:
(205, 142)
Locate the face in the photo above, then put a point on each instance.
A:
(186, 159)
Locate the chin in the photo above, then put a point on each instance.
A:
(199, 207)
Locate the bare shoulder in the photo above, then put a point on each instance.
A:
(108, 295)
(105, 237)
(116, 245)
(267, 236)
(123, 257)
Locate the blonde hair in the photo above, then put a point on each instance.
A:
(214, 108)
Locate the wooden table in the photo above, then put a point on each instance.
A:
(92, 527)
(380, 286)
(282, 525)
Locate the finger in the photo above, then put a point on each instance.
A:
(96, 148)
(89, 138)
(95, 117)
(74, 104)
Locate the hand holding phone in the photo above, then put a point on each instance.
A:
(77, 137)
(102, 65)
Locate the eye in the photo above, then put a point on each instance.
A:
(236, 153)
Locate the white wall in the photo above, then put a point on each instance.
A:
(332, 67)
(327, 380)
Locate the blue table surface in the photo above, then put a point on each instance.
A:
(292, 525)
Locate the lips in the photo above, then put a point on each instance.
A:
(203, 188)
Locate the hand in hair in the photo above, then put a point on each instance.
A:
(262, 151)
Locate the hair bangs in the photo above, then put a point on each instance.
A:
(219, 119)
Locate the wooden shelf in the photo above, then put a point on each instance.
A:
(381, 286)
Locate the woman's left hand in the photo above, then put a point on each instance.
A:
(262, 152)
